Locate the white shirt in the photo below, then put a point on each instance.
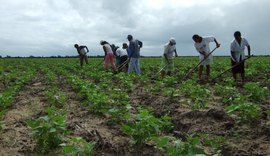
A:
(121, 52)
(204, 47)
(82, 51)
(239, 50)
(169, 50)
(108, 48)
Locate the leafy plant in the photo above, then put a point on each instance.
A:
(120, 105)
(5, 99)
(255, 92)
(125, 81)
(77, 147)
(47, 130)
(214, 143)
(176, 147)
(145, 126)
(56, 97)
(171, 92)
(268, 113)
(198, 95)
(226, 92)
(245, 111)
(170, 81)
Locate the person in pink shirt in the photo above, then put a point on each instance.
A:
(108, 59)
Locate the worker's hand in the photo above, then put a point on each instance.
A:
(218, 45)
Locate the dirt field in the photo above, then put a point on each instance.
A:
(247, 139)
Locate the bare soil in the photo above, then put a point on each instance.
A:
(15, 138)
(247, 139)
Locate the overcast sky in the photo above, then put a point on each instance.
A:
(52, 27)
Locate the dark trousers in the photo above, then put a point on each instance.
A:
(122, 62)
(83, 58)
(240, 68)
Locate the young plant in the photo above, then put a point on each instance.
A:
(47, 130)
(5, 99)
(213, 143)
(255, 92)
(199, 96)
(268, 113)
(176, 147)
(170, 81)
(120, 106)
(56, 97)
(244, 111)
(146, 126)
(226, 92)
(78, 147)
(171, 92)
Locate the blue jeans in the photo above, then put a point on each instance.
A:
(134, 62)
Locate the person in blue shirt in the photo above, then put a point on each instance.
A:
(134, 54)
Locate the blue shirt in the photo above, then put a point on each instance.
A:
(128, 51)
(133, 49)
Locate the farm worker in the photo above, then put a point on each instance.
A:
(169, 50)
(117, 59)
(82, 53)
(108, 58)
(122, 54)
(202, 46)
(134, 54)
(238, 55)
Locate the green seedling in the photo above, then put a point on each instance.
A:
(78, 147)
(47, 130)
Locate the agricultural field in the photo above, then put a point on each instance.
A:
(54, 107)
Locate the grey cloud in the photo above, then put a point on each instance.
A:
(49, 27)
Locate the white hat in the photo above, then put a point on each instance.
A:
(172, 40)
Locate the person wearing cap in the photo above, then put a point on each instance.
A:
(82, 53)
(202, 46)
(108, 59)
(238, 55)
(134, 54)
(122, 54)
(169, 51)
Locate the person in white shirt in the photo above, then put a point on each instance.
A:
(238, 55)
(122, 53)
(202, 46)
(82, 53)
(169, 51)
